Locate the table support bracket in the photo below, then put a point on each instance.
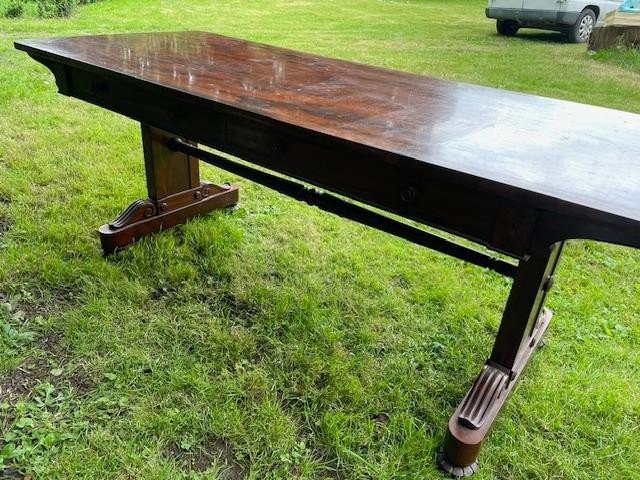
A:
(145, 217)
(176, 193)
(523, 325)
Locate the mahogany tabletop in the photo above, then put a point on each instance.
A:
(557, 150)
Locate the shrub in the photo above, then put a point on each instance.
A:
(55, 8)
(14, 9)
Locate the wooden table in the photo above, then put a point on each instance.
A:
(519, 174)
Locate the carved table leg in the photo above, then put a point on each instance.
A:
(175, 194)
(523, 324)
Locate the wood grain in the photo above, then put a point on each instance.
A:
(564, 157)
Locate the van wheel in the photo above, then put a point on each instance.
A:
(507, 27)
(583, 28)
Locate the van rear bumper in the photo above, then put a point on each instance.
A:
(524, 17)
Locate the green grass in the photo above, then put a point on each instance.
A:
(287, 341)
(628, 58)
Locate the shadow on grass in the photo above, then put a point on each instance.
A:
(542, 36)
(538, 37)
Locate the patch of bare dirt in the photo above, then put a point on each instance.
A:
(332, 468)
(81, 381)
(22, 379)
(45, 306)
(5, 224)
(381, 421)
(201, 457)
(51, 342)
(10, 473)
(40, 304)
(5, 220)
(334, 473)
(77, 376)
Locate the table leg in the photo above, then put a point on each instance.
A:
(523, 324)
(175, 194)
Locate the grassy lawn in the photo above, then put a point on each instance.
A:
(279, 341)
(627, 58)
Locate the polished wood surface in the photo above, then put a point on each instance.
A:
(557, 155)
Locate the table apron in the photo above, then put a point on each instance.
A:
(424, 193)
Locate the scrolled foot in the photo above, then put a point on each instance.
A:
(145, 217)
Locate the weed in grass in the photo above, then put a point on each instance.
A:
(43, 423)
(13, 335)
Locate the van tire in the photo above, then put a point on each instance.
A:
(583, 28)
(507, 27)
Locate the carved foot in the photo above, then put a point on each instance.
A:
(454, 470)
(145, 217)
(473, 418)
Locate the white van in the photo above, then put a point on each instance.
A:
(575, 18)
